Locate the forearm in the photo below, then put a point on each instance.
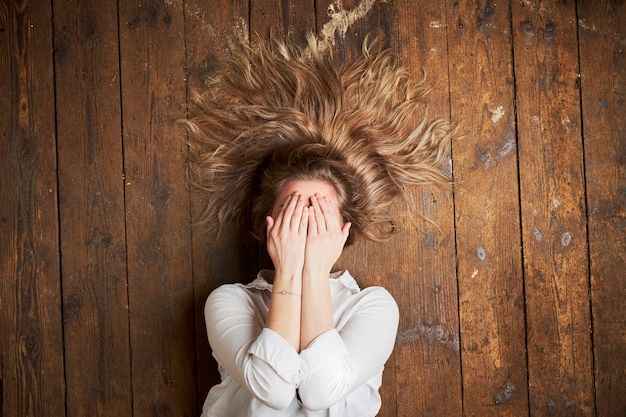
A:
(339, 361)
(248, 352)
(285, 308)
(317, 311)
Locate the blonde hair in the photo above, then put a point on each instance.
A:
(277, 112)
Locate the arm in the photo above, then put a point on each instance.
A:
(263, 357)
(338, 368)
(341, 370)
(286, 245)
(326, 237)
(259, 359)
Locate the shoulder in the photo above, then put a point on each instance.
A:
(228, 291)
(233, 296)
(374, 294)
(370, 302)
(378, 296)
(378, 292)
(241, 291)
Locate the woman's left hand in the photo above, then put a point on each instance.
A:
(326, 236)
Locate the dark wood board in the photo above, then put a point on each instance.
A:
(31, 341)
(293, 18)
(602, 39)
(428, 363)
(554, 229)
(160, 280)
(231, 256)
(486, 198)
(345, 26)
(91, 202)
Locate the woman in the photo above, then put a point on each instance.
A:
(308, 155)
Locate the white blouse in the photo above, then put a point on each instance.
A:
(337, 375)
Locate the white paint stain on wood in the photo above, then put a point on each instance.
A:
(496, 114)
(436, 24)
(431, 333)
(341, 20)
(566, 239)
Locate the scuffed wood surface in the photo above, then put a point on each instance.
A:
(510, 306)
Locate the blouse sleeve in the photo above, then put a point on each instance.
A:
(258, 359)
(337, 363)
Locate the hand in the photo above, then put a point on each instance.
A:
(286, 236)
(326, 236)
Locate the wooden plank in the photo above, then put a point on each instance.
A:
(603, 85)
(31, 345)
(553, 208)
(491, 296)
(160, 285)
(294, 18)
(91, 202)
(427, 352)
(233, 256)
(345, 25)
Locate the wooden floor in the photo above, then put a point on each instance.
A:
(512, 306)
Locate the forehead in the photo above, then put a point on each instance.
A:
(307, 188)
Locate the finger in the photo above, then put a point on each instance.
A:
(312, 222)
(345, 230)
(270, 222)
(304, 221)
(281, 213)
(331, 213)
(297, 213)
(288, 211)
(319, 214)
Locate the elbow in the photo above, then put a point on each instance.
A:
(274, 394)
(317, 402)
(313, 404)
(279, 400)
(363, 401)
(317, 397)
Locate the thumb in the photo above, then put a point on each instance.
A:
(270, 222)
(345, 230)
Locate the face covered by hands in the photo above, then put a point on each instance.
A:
(306, 230)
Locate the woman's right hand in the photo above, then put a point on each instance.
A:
(286, 237)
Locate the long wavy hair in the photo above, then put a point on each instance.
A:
(276, 112)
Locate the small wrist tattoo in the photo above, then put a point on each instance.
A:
(285, 292)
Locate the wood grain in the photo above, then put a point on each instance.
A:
(231, 256)
(603, 89)
(91, 202)
(31, 345)
(491, 300)
(427, 354)
(498, 304)
(554, 225)
(294, 18)
(160, 283)
(345, 25)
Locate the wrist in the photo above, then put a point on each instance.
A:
(315, 276)
(288, 279)
(316, 270)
